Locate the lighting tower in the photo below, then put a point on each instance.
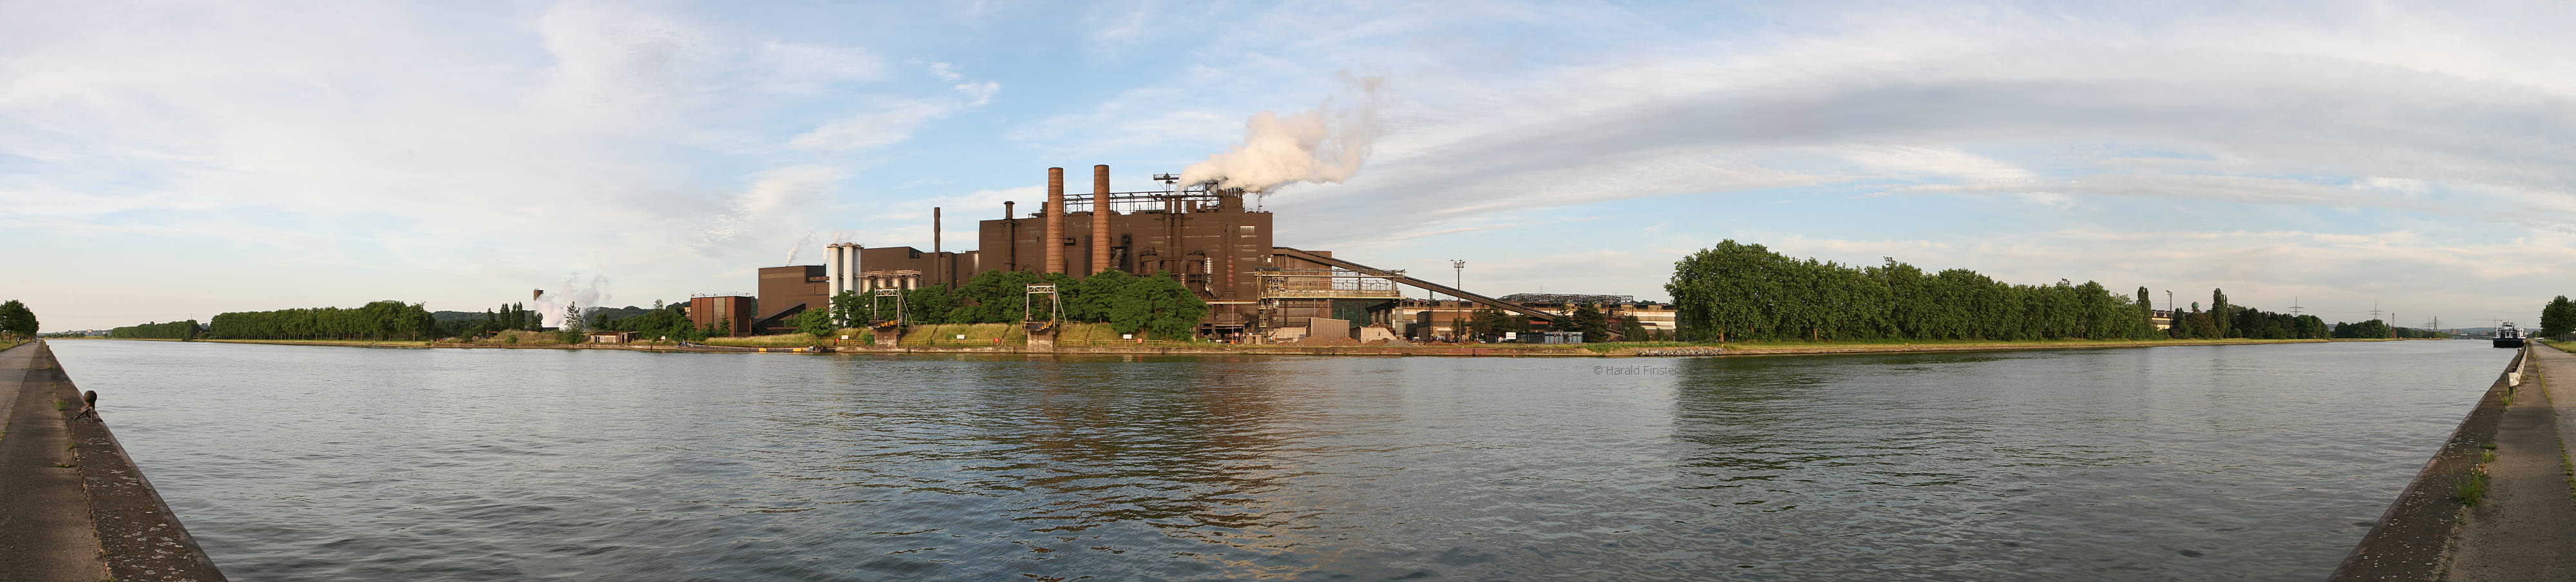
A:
(1461, 281)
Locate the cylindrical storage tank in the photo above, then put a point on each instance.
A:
(1055, 221)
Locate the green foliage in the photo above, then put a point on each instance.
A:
(381, 320)
(815, 322)
(2247, 322)
(1091, 298)
(177, 330)
(1490, 323)
(1735, 291)
(847, 309)
(2222, 314)
(1631, 329)
(2364, 330)
(1159, 305)
(666, 321)
(2558, 317)
(16, 320)
(1594, 324)
(929, 305)
(570, 332)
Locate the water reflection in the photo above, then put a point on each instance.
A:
(2167, 463)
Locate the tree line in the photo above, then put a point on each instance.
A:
(381, 320)
(1158, 304)
(177, 330)
(1734, 291)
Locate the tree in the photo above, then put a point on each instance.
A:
(847, 308)
(2221, 315)
(816, 322)
(1158, 304)
(1631, 329)
(571, 332)
(1594, 325)
(16, 320)
(2556, 318)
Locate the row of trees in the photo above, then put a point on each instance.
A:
(16, 320)
(2379, 329)
(2227, 320)
(662, 321)
(177, 330)
(1157, 304)
(381, 320)
(1735, 291)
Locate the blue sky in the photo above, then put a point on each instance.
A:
(161, 161)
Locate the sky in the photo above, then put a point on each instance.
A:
(167, 161)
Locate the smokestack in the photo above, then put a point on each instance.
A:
(1100, 218)
(1055, 221)
(934, 229)
(1011, 226)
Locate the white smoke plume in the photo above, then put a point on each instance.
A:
(589, 296)
(1320, 145)
(801, 243)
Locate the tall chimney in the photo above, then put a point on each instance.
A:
(1100, 218)
(1055, 221)
(934, 229)
(1011, 226)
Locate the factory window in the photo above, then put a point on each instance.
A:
(1247, 230)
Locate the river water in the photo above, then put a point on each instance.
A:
(2209, 462)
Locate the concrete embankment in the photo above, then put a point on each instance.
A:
(72, 504)
(2417, 537)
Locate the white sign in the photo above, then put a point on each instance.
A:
(845, 337)
(1126, 336)
(961, 336)
(1510, 335)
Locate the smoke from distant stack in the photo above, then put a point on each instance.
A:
(1326, 144)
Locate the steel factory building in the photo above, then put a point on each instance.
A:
(1207, 238)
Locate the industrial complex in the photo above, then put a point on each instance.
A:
(1206, 238)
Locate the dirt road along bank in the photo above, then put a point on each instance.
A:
(72, 505)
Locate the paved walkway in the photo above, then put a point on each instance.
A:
(45, 533)
(2526, 528)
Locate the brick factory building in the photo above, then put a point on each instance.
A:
(1206, 238)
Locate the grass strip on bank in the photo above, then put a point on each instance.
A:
(1805, 347)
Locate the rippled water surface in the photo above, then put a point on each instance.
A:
(2214, 462)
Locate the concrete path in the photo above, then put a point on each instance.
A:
(45, 530)
(2526, 529)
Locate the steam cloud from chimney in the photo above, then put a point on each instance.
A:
(589, 296)
(1320, 145)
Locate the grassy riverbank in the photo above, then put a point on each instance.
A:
(1833, 347)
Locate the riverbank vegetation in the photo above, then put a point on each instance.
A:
(381, 320)
(2558, 317)
(1734, 291)
(1157, 305)
(16, 320)
(177, 330)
